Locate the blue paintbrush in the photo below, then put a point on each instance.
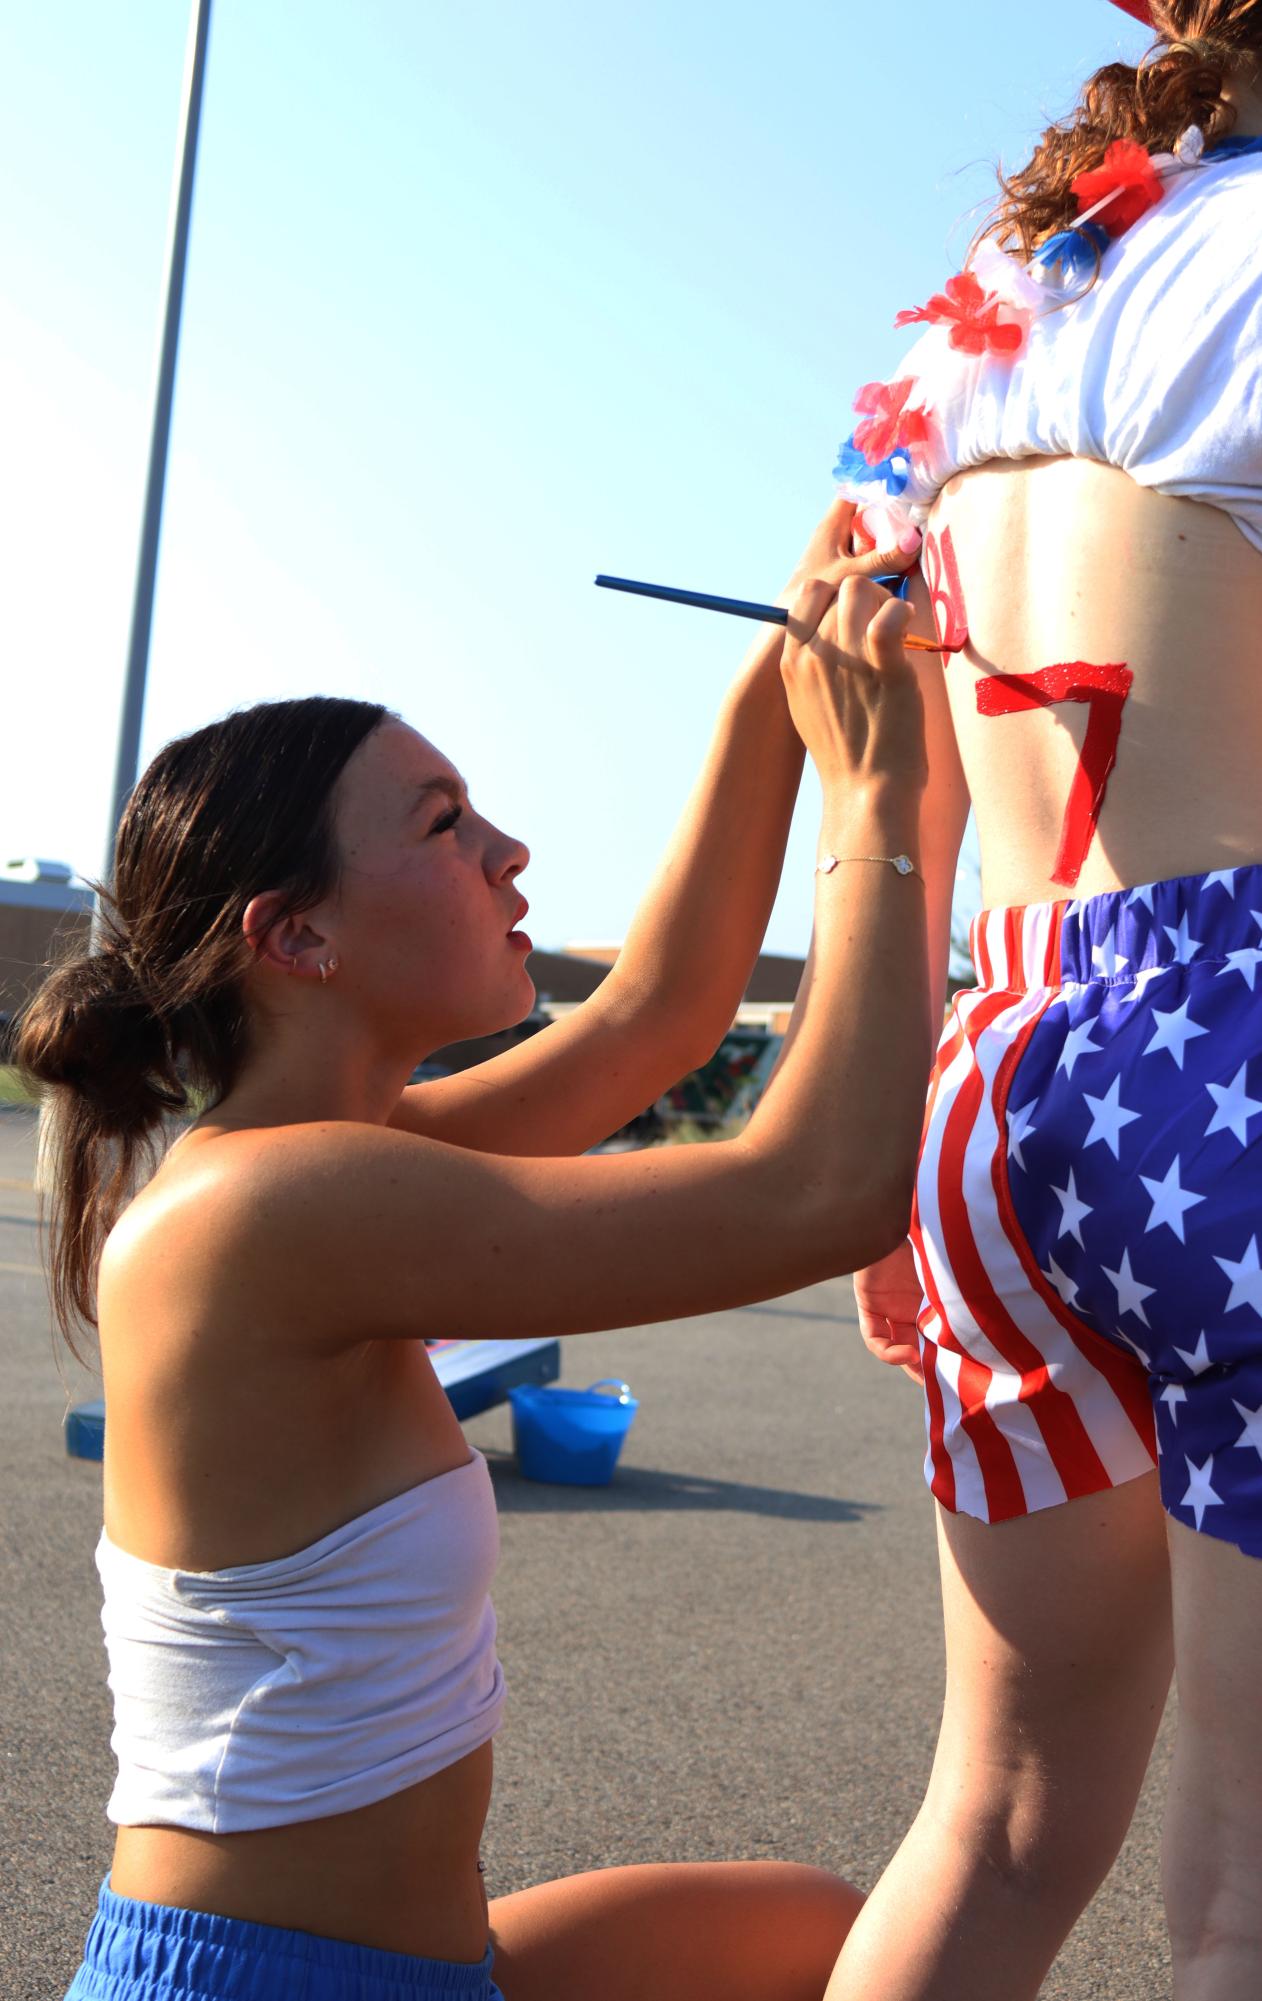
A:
(766, 614)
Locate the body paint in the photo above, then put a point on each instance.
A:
(946, 596)
(1104, 689)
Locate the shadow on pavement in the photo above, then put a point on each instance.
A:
(639, 1487)
(797, 1313)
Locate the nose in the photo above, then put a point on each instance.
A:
(506, 857)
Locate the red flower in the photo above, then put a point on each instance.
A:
(1129, 175)
(891, 426)
(971, 314)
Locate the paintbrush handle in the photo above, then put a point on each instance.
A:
(766, 614)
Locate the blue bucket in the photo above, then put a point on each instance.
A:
(571, 1437)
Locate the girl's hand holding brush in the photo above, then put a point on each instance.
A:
(829, 555)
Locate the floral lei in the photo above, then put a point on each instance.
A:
(988, 310)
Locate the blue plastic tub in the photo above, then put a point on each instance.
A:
(85, 1430)
(571, 1438)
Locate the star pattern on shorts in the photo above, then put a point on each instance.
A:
(1106, 959)
(1061, 1282)
(1109, 1116)
(1170, 1202)
(1244, 961)
(1246, 1279)
(1198, 1359)
(1072, 1211)
(1077, 1044)
(1251, 1436)
(1134, 1164)
(1174, 1031)
(1137, 989)
(1185, 946)
(1020, 1128)
(1221, 878)
(1200, 1494)
(1235, 1107)
(1130, 1293)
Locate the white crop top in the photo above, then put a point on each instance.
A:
(311, 1684)
(1156, 369)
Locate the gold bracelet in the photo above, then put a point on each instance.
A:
(903, 864)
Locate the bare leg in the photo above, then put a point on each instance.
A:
(686, 1931)
(1058, 1664)
(1212, 1860)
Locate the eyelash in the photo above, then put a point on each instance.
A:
(447, 822)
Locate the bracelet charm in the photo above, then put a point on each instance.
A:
(903, 864)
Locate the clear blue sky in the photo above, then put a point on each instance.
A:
(482, 299)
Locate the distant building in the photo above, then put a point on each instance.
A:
(725, 1087)
(768, 1001)
(45, 915)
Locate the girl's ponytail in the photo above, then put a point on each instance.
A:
(155, 1022)
(90, 1038)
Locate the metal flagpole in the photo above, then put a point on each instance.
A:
(125, 769)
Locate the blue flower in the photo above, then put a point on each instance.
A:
(893, 473)
(1077, 252)
(1233, 149)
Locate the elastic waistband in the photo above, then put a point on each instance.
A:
(1124, 934)
(140, 1949)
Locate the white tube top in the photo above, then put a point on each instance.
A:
(311, 1684)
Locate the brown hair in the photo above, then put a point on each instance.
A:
(121, 1037)
(1177, 84)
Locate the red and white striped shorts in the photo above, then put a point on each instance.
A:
(1026, 1406)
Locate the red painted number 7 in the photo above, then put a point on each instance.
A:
(1104, 690)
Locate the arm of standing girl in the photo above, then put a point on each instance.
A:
(888, 1294)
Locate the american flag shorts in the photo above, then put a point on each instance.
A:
(1089, 1207)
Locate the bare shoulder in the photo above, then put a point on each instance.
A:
(345, 1233)
(232, 1213)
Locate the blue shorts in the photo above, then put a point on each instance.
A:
(1089, 1208)
(152, 1952)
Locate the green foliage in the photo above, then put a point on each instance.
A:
(686, 1132)
(12, 1089)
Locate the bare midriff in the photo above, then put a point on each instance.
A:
(1067, 560)
(400, 1875)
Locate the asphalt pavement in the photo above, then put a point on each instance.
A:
(734, 1650)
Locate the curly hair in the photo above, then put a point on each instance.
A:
(1178, 83)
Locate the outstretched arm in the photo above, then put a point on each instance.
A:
(887, 1294)
(678, 981)
(378, 1233)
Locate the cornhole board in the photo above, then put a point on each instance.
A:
(479, 1374)
(476, 1375)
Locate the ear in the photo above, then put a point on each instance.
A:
(281, 940)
